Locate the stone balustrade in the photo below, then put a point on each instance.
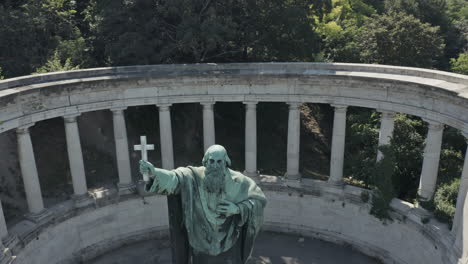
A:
(439, 98)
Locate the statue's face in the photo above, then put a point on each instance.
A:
(216, 160)
(215, 157)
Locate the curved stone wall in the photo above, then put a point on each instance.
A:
(321, 212)
(328, 210)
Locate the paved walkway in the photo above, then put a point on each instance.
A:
(270, 248)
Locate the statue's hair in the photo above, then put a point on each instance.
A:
(212, 148)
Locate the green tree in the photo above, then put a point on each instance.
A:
(31, 32)
(54, 64)
(339, 27)
(460, 64)
(147, 32)
(400, 39)
(408, 147)
(362, 133)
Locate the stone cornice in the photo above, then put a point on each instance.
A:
(435, 95)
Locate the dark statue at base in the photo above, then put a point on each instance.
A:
(217, 212)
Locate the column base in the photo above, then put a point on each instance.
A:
(82, 200)
(336, 183)
(126, 188)
(40, 217)
(251, 174)
(420, 214)
(10, 241)
(295, 176)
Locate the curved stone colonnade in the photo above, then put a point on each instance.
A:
(329, 210)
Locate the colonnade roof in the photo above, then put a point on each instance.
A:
(434, 95)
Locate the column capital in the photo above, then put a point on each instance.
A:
(340, 108)
(163, 107)
(250, 104)
(71, 118)
(118, 110)
(387, 114)
(207, 105)
(24, 129)
(434, 125)
(294, 105)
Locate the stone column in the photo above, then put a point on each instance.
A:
(165, 128)
(208, 125)
(430, 167)
(294, 132)
(126, 184)
(3, 226)
(29, 172)
(386, 130)
(458, 218)
(461, 233)
(75, 158)
(251, 139)
(338, 145)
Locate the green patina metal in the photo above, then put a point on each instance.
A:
(222, 209)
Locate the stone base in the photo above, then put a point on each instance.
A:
(40, 217)
(296, 177)
(293, 183)
(82, 200)
(251, 174)
(127, 188)
(10, 241)
(419, 214)
(339, 183)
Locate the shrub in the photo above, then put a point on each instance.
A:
(445, 201)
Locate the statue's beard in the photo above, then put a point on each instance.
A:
(214, 180)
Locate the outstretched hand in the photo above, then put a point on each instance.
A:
(145, 167)
(227, 208)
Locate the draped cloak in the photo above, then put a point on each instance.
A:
(207, 232)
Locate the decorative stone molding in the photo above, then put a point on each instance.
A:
(24, 129)
(71, 118)
(164, 107)
(387, 114)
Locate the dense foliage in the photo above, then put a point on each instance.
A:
(49, 35)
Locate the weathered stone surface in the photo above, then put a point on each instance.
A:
(332, 215)
(435, 95)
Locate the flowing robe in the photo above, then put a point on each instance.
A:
(209, 233)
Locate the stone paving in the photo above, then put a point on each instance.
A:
(270, 248)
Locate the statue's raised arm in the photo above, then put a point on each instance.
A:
(161, 181)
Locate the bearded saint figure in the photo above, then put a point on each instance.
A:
(222, 209)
